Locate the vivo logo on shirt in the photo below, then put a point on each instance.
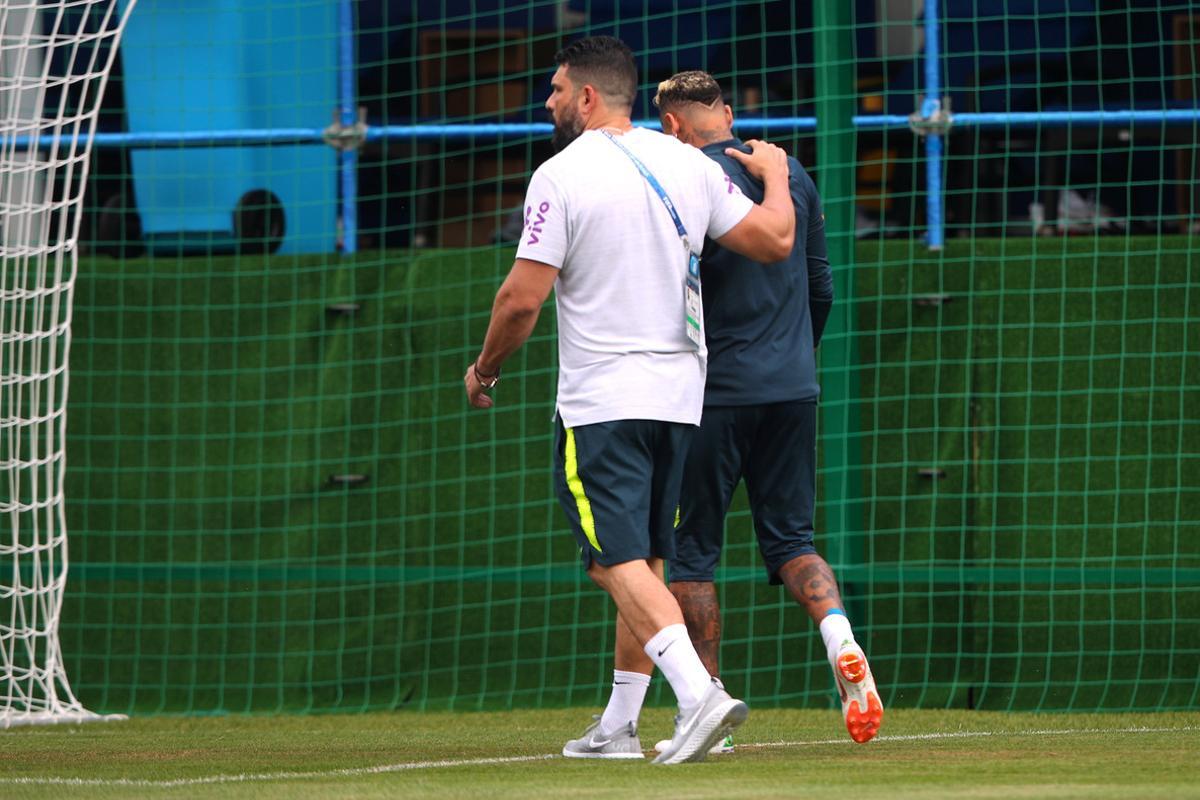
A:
(534, 225)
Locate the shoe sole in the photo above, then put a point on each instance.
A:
(607, 756)
(728, 716)
(861, 705)
(718, 749)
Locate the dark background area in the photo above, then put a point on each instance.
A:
(480, 62)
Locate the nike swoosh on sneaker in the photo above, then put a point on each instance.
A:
(594, 742)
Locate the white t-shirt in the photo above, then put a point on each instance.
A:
(623, 349)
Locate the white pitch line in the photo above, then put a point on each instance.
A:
(475, 762)
(972, 734)
(272, 776)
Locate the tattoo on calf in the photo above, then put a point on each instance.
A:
(811, 582)
(702, 613)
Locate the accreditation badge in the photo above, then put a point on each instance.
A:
(694, 317)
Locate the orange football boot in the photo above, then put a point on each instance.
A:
(861, 706)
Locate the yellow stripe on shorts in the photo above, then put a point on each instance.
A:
(575, 484)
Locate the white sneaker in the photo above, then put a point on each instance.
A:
(621, 744)
(721, 748)
(699, 728)
(861, 706)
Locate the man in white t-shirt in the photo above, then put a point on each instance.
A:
(614, 224)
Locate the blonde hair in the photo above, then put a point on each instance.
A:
(693, 86)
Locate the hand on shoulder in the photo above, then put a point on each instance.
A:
(764, 160)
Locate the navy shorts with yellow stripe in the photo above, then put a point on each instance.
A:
(618, 483)
(774, 447)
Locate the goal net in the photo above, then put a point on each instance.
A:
(54, 61)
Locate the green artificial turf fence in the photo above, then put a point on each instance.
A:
(278, 500)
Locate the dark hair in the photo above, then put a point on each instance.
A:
(692, 86)
(604, 62)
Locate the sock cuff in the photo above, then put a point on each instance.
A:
(835, 611)
(637, 678)
(661, 640)
(835, 632)
(836, 625)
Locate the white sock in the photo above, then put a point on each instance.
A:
(836, 631)
(625, 702)
(673, 653)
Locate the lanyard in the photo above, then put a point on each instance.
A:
(693, 316)
(654, 184)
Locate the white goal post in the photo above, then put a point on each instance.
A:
(55, 57)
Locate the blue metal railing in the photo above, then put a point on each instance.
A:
(347, 75)
(930, 109)
(250, 137)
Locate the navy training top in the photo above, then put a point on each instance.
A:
(762, 322)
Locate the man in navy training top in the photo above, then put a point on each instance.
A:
(762, 324)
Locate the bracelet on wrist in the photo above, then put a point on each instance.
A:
(485, 380)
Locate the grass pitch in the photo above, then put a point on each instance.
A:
(780, 753)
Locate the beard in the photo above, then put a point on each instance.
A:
(566, 130)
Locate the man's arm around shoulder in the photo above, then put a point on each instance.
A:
(768, 232)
